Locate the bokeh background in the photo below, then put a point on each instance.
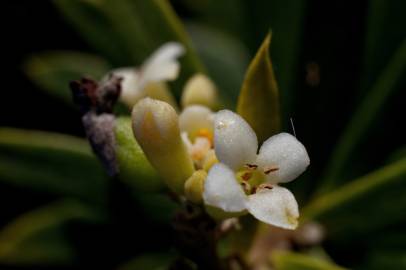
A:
(328, 56)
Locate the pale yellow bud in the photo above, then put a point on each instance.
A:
(156, 129)
(200, 90)
(209, 160)
(194, 186)
(160, 91)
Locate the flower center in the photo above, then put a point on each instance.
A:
(199, 148)
(252, 179)
(205, 133)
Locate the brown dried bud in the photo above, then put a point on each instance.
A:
(100, 98)
(100, 133)
(96, 102)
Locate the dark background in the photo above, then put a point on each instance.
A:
(334, 36)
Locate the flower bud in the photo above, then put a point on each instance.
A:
(156, 129)
(194, 186)
(209, 160)
(160, 91)
(200, 90)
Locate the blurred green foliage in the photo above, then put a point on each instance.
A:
(363, 213)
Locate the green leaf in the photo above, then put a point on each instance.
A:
(53, 71)
(364, 205)
(152, 261)
(39, 236)
(295, 261)
(382, 37)
(137, 22)
(88, 19)
(363, 117)
(50, 162)
(258, 102)
(134, 167)
(379, 260)
(226, 58)
(131, 25)
(286, 19)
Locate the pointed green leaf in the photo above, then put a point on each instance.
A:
(134, 167)
(39, 237)
(386, 83)
(258, 102)
(295, 261)
(286, 19)
(50, 162)
(53, 71)
(94, 27)
(364, 205)
(382, 37)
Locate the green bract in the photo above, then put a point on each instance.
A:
(258, 102)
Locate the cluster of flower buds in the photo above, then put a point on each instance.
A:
(210, 158)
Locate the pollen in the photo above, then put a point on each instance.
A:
(270, 169)
(206, 134)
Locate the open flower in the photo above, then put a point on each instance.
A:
(247, 181)
(148, 80)
(196, 125)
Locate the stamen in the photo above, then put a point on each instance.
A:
(265, 186)
(251, 166)
(206, 134)
(246, 176)
(246, 186)
(269, 170)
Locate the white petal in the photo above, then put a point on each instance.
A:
(186, 140)
(284, 153)
(235, 142)
(222, 190)
(276, 206)
(195, 118)
(163, 64)
(131, 91)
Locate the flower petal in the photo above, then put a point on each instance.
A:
(235, 142)
(131, 91)
(222, 190)
(162, 65)
(194, 119)
(276, 206)
(285, 156)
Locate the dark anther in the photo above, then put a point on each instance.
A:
(268, 171)
(251, 166)
(262, 187)
(246, 176)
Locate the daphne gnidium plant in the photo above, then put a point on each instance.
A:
(191, 158)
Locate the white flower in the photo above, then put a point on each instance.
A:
(161, 66)
(196, 125)
(247, 181)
